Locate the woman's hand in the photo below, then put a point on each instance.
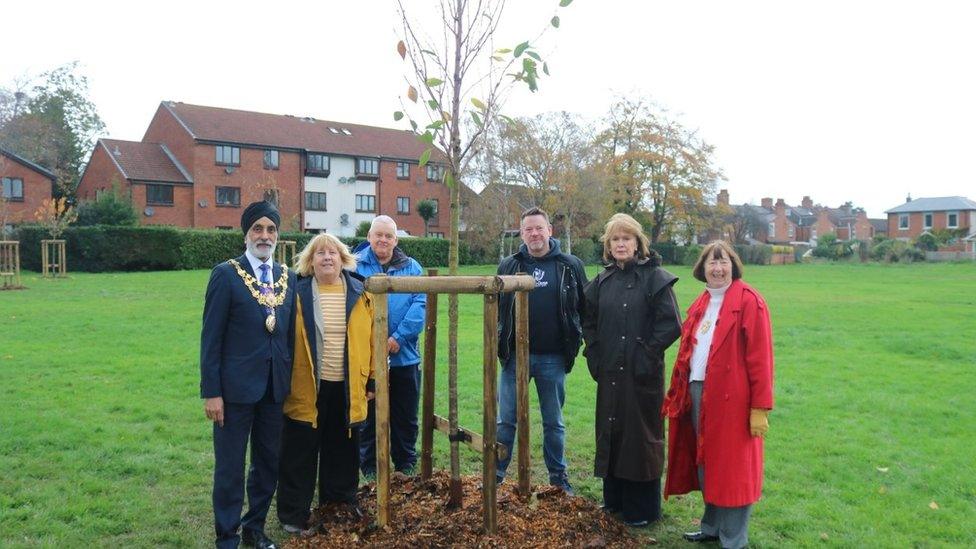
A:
(758, 422)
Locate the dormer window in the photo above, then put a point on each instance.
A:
(318, 164)
(367, 168)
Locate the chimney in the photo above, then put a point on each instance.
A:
(807, 203)
(908, 198)
(723, 197)
(780, 203)
(767, 203)
(117, 152)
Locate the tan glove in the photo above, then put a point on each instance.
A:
(758, 422)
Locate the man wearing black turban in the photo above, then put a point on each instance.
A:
(245, 375)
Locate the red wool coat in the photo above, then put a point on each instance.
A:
(738, 376)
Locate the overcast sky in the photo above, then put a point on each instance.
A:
(865, 101)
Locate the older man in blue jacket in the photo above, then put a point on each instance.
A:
(381, 255)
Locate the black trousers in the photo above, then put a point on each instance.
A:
(261, 423)
(404, 403)
(635, 499)
(332, 450)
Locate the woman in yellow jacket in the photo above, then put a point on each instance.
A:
(331, 382)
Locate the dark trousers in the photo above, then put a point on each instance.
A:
(404, 401)
(261, 422)
(637, 500)
(332, 450)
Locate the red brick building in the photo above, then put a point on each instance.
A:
(785, 224)
(914, 217)
(198, 166)
(25, 185)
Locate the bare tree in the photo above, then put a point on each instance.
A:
(457, 73)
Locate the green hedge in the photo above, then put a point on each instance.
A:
(103, 248)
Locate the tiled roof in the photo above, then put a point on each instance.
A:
(294, 132)
(145, 161)
(21, 160)
(935, 204)
(880, 225)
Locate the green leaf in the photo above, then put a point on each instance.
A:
(427, 137)
(503, 50)
(545, 68)
(528, 65)
(477, 119)
(413, 125)
(433, 104)
(555, 21)
(449, 180)
(435, 125)
(434, 82)
(477, 103)
(428, 52)
(398, 116)
(497, 58)
(533, 55)
(564, 3)
(507, 119)
(425, 157)
(521, 48)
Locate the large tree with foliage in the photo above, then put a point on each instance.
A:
(660, 168)
(457, 73)
(52, 122)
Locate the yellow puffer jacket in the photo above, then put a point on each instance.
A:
(300, 404)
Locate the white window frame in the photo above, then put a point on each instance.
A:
(928, 219)
(952, 225)
(904, 222)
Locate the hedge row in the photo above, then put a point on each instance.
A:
(105, 248)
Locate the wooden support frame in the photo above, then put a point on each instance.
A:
(53, 259)
(10, 264)
(285, 251)
(490, 287)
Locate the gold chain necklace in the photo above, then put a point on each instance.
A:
(270, 299)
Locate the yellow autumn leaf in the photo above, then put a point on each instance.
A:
(883, 490)
(402, 49)
(934, 506)
(412, 93)
(882, 469)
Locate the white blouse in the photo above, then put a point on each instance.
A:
(704, 333)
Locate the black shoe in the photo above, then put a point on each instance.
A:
(256, 539)
(698, 537)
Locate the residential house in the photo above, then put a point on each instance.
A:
(197, 166)
(25, 186)
(780, 223)
(909, 220)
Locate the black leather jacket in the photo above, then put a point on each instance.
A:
(572, 278)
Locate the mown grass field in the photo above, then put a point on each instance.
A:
(103, 441)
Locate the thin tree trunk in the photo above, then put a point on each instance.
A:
(456, 493)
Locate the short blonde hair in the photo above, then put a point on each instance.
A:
(303, 261)
(622, 222)
(714, 250)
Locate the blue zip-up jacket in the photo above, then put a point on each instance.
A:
(406, 311)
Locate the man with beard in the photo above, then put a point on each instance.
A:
(554, 338)
(245, 375)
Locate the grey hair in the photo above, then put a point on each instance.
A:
(382, 219)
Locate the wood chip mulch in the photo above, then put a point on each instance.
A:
(419, 518)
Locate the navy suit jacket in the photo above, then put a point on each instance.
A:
(237, 354)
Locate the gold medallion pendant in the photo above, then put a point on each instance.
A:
(274, 296)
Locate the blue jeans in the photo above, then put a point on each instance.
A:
(549, 372)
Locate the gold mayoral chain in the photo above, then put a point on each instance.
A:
(270, 299)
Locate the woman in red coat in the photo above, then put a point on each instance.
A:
(720, 396)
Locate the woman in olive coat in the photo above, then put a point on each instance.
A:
(630, 318)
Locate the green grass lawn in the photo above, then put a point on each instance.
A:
(103, 441)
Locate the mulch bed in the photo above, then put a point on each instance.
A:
(419, 518)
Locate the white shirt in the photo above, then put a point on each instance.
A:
(704, 333)
(256, 266)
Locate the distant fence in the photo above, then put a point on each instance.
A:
(950, 256)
